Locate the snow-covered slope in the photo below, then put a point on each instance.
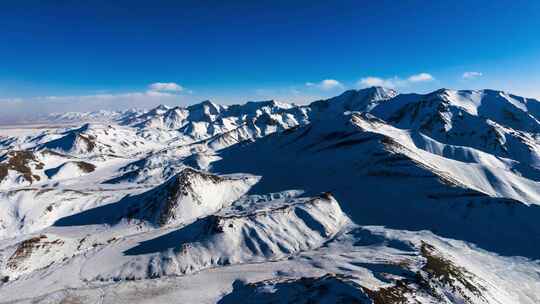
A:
(367, 197)
(182, 199)
(192, 194)
(70, 169)
(256, 234)
(494, 122)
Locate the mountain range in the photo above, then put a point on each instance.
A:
(368, 197)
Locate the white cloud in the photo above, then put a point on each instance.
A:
(165, 87)
(329, 84)
(471, 75)
(420, 77)
(326, 84)
(394, 82)
(379, 82)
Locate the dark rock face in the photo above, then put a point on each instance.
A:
(85, 167)
(20, 161)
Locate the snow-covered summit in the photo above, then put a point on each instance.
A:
(355, 100)
(189, 195)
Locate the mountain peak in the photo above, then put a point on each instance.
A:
(383, 92)
(162, 107)
(191, 194)
(206, 107)
(355, 100)
(253, 106)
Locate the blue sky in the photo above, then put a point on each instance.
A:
(234, 51)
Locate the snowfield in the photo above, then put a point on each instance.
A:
(368, 197)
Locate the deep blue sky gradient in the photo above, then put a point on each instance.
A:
(232, 49)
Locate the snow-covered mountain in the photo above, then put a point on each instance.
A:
(96, 116)
(367, 197)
